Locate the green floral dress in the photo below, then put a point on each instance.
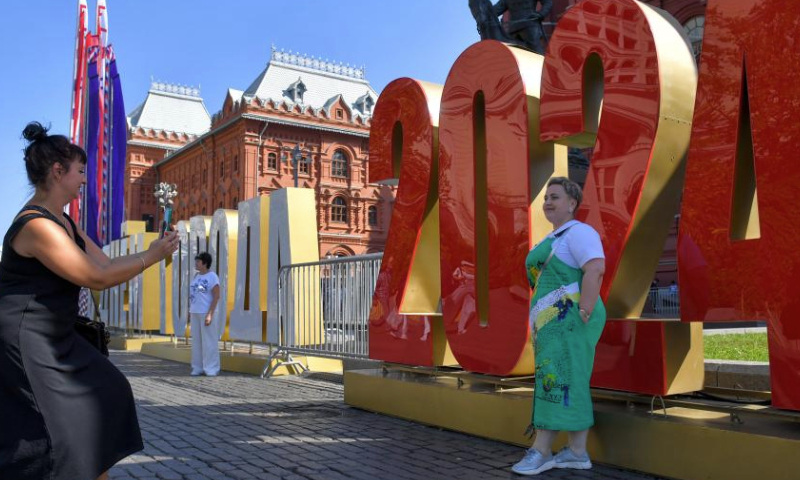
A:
(564, 345)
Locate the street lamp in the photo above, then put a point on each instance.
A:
(165, 193)
(297, 158)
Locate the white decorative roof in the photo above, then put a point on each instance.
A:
(286, 73)
(172, 108)
(236, 95)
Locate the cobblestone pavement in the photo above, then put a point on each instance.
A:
(241, 427)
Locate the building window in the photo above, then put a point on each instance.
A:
(339, 113)
(365, 103)
(339, 210)
(694, 30)
(236, 163)
(205, 175)
(339, 164)
(303, 166)
(372, 216)
(272, 161)
(236, 203)
(296, 91)
(222, 168)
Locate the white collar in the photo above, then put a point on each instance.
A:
(563, 227)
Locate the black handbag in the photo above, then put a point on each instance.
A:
(94, 332)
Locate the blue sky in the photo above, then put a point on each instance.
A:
(214, 44)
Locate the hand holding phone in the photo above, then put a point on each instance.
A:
(165, 225)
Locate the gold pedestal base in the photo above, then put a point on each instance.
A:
(239, 362)
(684, 444)
(134, 344)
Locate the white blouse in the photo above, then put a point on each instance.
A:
(578, 245)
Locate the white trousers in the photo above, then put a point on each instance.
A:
(205, 346)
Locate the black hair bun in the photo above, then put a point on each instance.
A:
(34, 131)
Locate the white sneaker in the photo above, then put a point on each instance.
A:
(566, 458)
(534, 463)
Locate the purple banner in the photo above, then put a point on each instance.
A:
(119, 141)
(92, 126)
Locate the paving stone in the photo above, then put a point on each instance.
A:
(239, 427)
(197, 476)
(170, 475)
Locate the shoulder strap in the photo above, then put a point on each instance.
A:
(562, 232)
(20, 222)
(74, 228)
(553, 248)
(41, 212)
(38, 208)
(550, 257)
(45, 212)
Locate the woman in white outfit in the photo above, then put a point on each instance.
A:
(203, 299)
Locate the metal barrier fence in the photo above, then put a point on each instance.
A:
(323, 309)
(663, 303)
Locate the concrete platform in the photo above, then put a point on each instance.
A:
(737, 375)
(681, 443)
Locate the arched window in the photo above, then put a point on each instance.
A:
(303, 166)
(222, 168)
(339, 210)
(339, 164)
(272, 161)
(372, 216)
(694, 30)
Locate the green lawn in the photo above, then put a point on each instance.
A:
(737, 346)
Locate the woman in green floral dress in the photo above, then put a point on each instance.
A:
(567, 317)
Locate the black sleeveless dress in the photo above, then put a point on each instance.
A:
(66, 412)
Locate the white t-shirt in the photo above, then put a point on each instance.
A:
(200, 292)
(578, 245)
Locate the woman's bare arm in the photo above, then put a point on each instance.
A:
(593, 271)
(214, 301)
(93, 251)
(46, 241)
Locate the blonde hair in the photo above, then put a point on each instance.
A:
(573, 189)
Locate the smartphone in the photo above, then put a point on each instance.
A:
(167, 221)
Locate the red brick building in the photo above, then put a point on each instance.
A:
(297, 108)
(170, 117)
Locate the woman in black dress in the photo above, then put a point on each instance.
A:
(67, 413)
